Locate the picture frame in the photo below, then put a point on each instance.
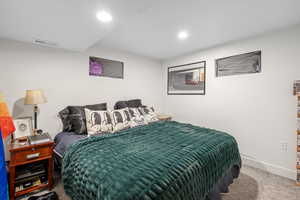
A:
(246, 63)
(23, 127)
(296, 88)
(187, 79)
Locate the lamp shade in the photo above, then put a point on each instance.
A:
(34, 97)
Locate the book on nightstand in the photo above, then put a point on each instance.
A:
(38, 139)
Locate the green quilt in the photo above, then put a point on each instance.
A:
(162, 161)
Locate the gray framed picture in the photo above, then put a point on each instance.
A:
(247, 63)
(188, 79)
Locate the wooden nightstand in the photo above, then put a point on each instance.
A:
(22, 155)
(164, 117)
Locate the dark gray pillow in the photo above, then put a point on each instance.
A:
(64, 116)
(77, 119)
(100, 106)
(73, 117)
(134, 103)
(120, 105)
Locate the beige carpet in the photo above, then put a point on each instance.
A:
(253, 184)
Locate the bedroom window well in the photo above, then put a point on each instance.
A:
(106, 68)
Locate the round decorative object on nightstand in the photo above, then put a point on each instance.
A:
(164, 117)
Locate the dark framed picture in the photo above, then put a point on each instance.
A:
(247, 63)
(296, 88)
(188, 79)
(106, 68)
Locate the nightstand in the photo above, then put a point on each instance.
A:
(25, 156)
(164, 117)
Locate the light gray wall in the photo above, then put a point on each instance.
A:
(64, 77)
(258, 109)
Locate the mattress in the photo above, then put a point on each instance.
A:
(163, 160)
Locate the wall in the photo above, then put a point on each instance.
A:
(63, 75)
(259, 110)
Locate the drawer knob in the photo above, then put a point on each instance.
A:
(34, 155)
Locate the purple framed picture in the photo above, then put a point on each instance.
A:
(106, 68)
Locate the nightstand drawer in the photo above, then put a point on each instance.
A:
(30, 154)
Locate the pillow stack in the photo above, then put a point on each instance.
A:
(96, 119)
(73, 117)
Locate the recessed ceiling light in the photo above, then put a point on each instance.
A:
(183, 35)
(104, 16)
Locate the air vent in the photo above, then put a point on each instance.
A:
(45, 43)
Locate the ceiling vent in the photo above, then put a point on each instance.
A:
(45, 43)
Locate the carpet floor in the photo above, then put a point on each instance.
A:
(253, 184)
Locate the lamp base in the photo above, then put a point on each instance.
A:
(35, 116)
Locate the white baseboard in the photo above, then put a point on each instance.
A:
(274, 169)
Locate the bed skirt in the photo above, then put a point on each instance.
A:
(223, 185)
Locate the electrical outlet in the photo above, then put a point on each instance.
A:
(284, 146)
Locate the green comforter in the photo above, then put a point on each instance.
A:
(162, 160)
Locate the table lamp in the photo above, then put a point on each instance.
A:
(35, 97)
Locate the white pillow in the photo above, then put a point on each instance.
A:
(149, 114)
(98, 122)
(137, 117)
(121, 119)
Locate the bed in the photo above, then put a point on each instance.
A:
(162, 160)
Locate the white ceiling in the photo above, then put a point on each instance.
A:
(145, 27)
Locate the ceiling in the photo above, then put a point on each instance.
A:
(144, 27)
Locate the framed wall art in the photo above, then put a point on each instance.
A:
(23, 127)
(247, 63)
(188, 79)
(296, 88)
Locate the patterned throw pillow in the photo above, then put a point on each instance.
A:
(121, 119)
(149, 114)
(98, 122)
(137, 117)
